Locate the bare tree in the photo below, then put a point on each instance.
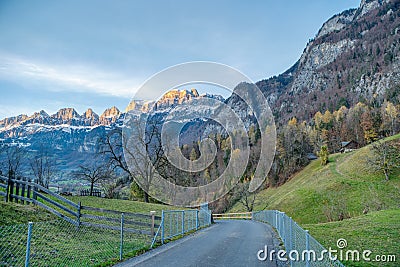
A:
(43, 166)
(94, 174)
(14, 156)
(385, 158)
(144, 149)
(109, 186)
(112, 149)
(247, 199)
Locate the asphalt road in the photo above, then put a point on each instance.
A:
(226, 243)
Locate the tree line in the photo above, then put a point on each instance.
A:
(296, 141)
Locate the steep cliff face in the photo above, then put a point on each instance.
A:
(90, 117)
(66, 114)
(110, 116)
(354, 57)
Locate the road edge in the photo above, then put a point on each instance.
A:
(161, 249)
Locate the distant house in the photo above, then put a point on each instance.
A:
(311, 156)
(349, 146)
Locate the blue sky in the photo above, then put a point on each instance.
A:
(96, 54)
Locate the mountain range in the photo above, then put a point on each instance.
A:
(73, 139)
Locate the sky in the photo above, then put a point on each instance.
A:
(97, 53)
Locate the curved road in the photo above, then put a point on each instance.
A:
(226, 243)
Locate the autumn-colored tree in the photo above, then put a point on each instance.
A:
(370, 134)
(324, 154)
(390, 115)
(385, 158)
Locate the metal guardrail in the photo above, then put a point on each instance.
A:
(297, 240)
(232, 216)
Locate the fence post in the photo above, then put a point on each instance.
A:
(291, 238)
(7, 189)
(162, 227)
(11, 190)
(308, 248)
(17, 188)
(183, 222)
(34, 196)
(176, 217)
(152, 213)
(197, 220)
(28, 192)
(276, 220)
(78, 216)
(28, 244)
(121, 248)
(23, 189)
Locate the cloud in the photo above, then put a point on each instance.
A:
(79, 78)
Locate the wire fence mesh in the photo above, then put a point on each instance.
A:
(98, 239)
(301, 248)
(84, 236)
(13, 245)
(60, 243)
(179, 222)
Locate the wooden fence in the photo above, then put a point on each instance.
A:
(23, 191)
(110, 219)
(95, 192)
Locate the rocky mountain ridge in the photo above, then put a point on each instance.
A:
(354, 57)
(14, 127)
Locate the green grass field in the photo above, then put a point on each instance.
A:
(378, 231)
(56, 242)
(12, 213)
(121, 205)
(319, 196)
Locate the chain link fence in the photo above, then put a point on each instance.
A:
(13, 245)
(179, 222)
(301, 248)
(97, 240)
(60, 243)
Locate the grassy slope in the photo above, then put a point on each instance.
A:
(121, 205)
(377, 231)
(344, 185)
(97, 247)
(12, 213)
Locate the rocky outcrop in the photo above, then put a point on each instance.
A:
(337, 22)
(90, 117)
(6, 122)
(354, 56)
(369, 5)
(66, 114)
(176, 97)
(109, 116)
(139, 106)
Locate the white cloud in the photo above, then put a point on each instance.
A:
(79, 78)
